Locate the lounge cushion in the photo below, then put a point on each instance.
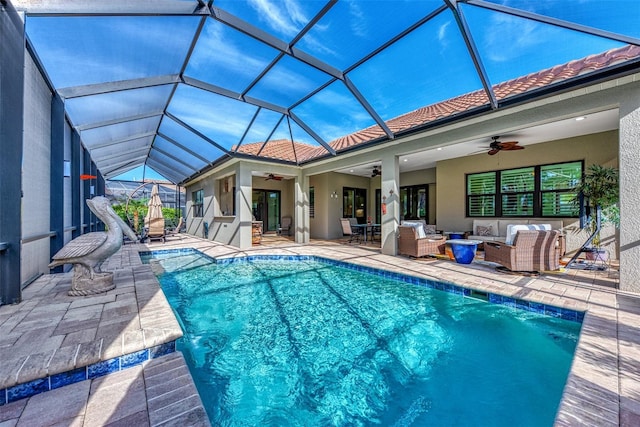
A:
(419, 226)
(512, 230)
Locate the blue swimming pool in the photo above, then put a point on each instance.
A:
(310, 342)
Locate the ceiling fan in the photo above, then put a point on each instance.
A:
(273, 177)
(377, 170)
(497, 146)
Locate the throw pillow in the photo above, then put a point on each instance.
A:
(484, 231)
(430, 228)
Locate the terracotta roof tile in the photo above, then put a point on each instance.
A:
(284, 150)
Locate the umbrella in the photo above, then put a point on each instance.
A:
(155, 206)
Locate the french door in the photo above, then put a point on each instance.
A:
(354, 204)
(265, 206)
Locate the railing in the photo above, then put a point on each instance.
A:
(38, 237)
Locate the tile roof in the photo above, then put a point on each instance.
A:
(282, 149)
(285, 150)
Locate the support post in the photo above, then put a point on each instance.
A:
(390, 195)
(56, 174)
(76, 207)
(11, 146)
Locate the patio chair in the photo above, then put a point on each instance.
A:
(411, 244)
(285, 226)
(177, 229)
(532, 250)
(156, 230)
(347, 230)
(376, 233)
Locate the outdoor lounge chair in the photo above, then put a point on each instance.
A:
(347, 230)
(532, 250)
(410, 244)
(156, 230)
(285, 226)
(177, 229)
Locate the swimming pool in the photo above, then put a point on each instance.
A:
(310, 342)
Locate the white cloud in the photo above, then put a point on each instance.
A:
(442, 32)
(285, 17)
(508, 36)
(358, 20)
(318, 46)
(216, 48)
(211, 114)
(280, 78)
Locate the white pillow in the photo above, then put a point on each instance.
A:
(512, 230)
(418, 226)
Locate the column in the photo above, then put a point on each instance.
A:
(390, 196)
(301, 209)
(244, 195)
(56, 188)
(11, 145)
(629, 156)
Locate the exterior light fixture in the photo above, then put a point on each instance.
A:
(334, 195)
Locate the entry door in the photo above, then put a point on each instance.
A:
(266, 208)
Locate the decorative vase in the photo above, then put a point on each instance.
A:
(464, 253)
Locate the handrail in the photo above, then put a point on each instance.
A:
(38, 237)
(72, 228)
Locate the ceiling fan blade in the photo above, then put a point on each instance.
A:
(493, 151)
(513, 147)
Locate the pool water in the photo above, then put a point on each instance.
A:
(306, 343)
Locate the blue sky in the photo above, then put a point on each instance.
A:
(429, 65)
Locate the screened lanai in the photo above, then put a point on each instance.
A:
(182, 86)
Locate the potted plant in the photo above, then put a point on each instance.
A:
(600, 186)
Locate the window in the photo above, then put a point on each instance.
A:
(312, 202)
(481, 194)
(516, 187)
(537, 191)
(557, 184)
(197, 198)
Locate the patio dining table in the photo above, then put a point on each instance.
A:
(366, 229)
